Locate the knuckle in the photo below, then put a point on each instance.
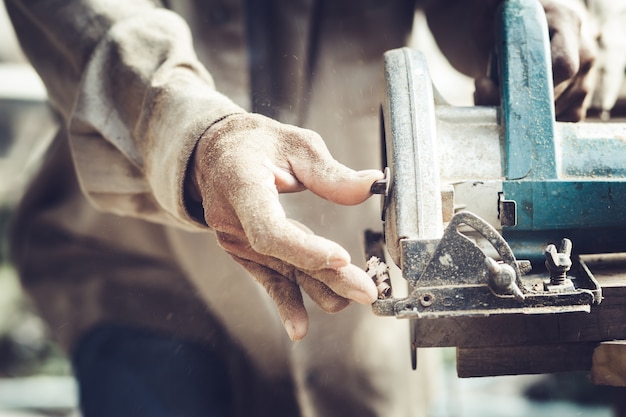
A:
(275, 288)
(310, 141)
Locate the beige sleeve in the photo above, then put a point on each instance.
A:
(125, 78)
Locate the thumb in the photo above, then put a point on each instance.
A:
(343, 185)
(318, 171)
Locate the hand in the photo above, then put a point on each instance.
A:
(572, 46)
(239, 167)
(572, 43)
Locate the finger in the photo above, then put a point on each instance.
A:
(353, 282)
(240, 246)
(270, 233)
(285, 181)
(571, 106)
(321, 294)
(286, 296)
(565, 57)
(341, 185)
(318, 171)
(350, 282)
(564, 42)
(255, 202)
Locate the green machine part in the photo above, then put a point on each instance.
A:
(557, 184)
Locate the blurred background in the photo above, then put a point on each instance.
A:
(35, 377)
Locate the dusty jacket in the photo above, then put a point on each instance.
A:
(104, 233)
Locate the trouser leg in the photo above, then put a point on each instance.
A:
(123, 371)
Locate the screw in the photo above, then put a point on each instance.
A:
(427, 299)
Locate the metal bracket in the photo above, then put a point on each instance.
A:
(460, 280)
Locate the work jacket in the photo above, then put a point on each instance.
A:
(103, 235)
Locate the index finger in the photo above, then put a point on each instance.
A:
(271, 233)
(315, 167)
(350, 282)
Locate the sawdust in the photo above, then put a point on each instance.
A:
(379, 272)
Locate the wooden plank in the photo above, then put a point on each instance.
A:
(517, 360)
(606, 321)
(609, 364)
(531, 344)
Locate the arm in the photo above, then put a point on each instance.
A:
(265, 158)
(134, 97)
(146, 124)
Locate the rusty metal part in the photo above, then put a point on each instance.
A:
(559, 263)
(460, 280)
(502, 279)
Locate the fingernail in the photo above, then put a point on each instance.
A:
(291, 329)
(336, 260)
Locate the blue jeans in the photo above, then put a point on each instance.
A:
(127, 372)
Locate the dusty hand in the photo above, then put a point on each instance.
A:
(572, 45)
(239, 167)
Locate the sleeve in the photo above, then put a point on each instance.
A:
(135, 98)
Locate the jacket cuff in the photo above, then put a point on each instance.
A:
(200, 110)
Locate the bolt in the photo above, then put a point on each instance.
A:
(559, 263)
(502, 279)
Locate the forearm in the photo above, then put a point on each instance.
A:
(126, 79)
